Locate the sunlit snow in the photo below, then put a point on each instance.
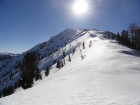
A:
(108, 74)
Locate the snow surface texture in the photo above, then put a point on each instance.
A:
(108, 74)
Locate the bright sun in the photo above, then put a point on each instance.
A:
(80, 7)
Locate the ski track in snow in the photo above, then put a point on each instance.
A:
(106, 76)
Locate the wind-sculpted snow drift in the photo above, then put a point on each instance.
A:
(101, 72)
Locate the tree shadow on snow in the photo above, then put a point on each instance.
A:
(113, 41)
(132, 53)
(136, 69)
(92, 35)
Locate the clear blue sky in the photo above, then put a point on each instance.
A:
(25, 23)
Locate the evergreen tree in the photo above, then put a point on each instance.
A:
(119, 38)
(73, 50)
(69, 59)
(83, 45)
(131, 38)
(11, 76)
(61, 64)
(28, 70)
(122, 37)
(10, 90)
(127, 40)
(54, 61)
(137, 38)
(64, 55)
(0, 94)
(4, 91)
(19, 83)
(64, 61)
(38, 75)
(15, 85)
(47, 71)
(58, 64)
(131, 28)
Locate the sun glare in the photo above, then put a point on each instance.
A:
(80, 7)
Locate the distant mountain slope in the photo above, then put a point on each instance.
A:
(4, 56)
(101, 72)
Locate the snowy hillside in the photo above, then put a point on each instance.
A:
(46, 53)
(101, 73)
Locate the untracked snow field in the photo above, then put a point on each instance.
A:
(109, 74)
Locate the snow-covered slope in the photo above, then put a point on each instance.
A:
(46, 53)
(108, 74)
